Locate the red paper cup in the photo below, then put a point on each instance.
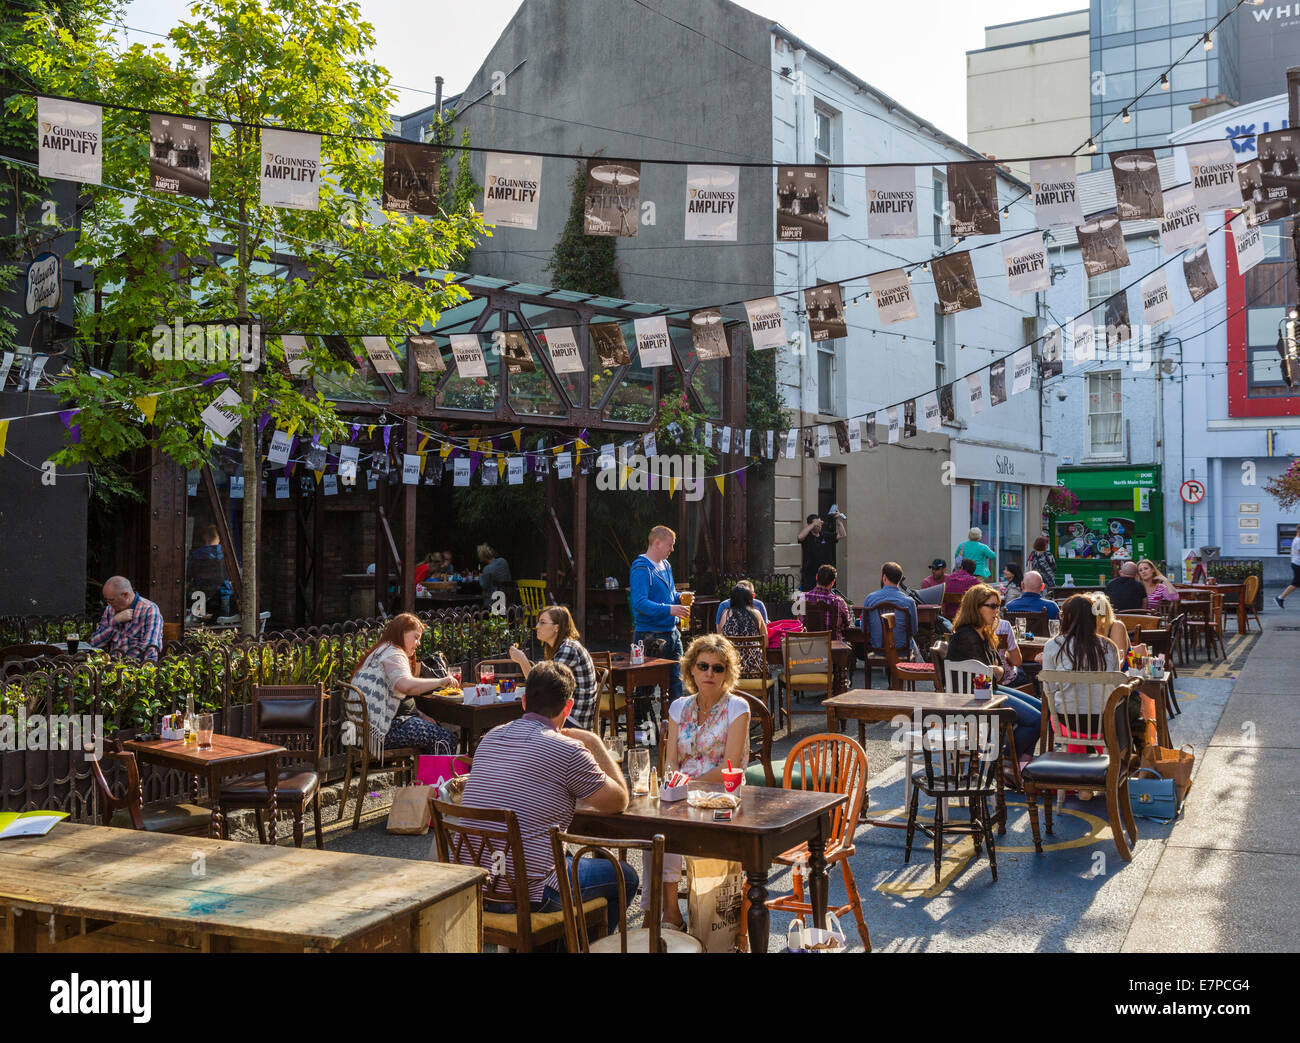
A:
(731, 779)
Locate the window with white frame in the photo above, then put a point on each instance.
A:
(941, 339)
(940, 217)
(1105, 415)
(828, 147)
(826, 396)
(1102, 287)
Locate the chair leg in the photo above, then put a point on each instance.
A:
(988, 838)
(938, 836)
(1000, 806)
(911, 825)
(851, 886)
(347, 778)
(1031, 798)
(297, 826)
(361, 787)
(316, 817)
(1126, 812)
(1047, 808)
(1116, 824)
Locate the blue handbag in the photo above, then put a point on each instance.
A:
(1155, 798)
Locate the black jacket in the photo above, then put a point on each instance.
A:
(1126, 594)
(968, 643)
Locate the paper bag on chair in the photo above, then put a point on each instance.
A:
(411, 810)
(716, 889)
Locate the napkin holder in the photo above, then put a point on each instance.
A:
(480, 694)
(638, 653)
(673, 793)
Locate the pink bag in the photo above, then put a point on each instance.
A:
(777, 627)
(435, 769)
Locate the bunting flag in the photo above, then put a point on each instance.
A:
(1157, 305)
(892, 293)
(468, 353)
(1101, 244)
(515, 352)
(672, 486)
(929, 406)
(606, 339)
(278, 453)
(998, 382)
(711, 196)
(973, 193)
(1118, 326)
(947, 405)
(411, 173)
(1213, 169)
(295, 353)
(428, 356)
(1199, 273)
(1053, 353)
(1137, 184)
(891, 202)
(708, 334)
(71, 140)
(180, 155)
(1182, 226)
(1025, 258)
(1056, 192)
(613, 198)
(1248, 241)
(869, 431)
(825, 307)
(562, 345)
(516, 436)
(1083, 341)
(381, 355)
(719, 480)
(954, 282)
(1022, 369)
(766, 324)
(909, 418)
(975, 388)
(892, 414)
(823, 440)
(653, 346)
(512, 190)
(291, 170)
(4, 435)
(801, 204)
(148, 406)
(460, 472)
(222, 414)
(791, 442)
(855, 436)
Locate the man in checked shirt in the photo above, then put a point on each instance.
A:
(131, 625)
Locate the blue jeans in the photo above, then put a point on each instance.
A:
(597, 880)
(1029, 718)
(672, 650)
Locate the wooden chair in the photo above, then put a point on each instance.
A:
(654, 937)
(129, 810)
(826, 763)
(489, 838)
(506, 667)
(951, 603)
(807, 666)
(1035, 622)
(969, 748)
(873, 658)
(610, 703)
(755, 677)
(293, 716)
(901, 673)
(1133, 620)
(532, 595)
(1250, 591)
(1109, 768)
(1197, 619)
(1209, 628)
(760, 771)
(357, 715)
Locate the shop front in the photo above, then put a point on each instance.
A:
(1000, 491)
(1120, 516)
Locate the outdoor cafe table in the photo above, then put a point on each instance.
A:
(229, 755)
(768, 823)
(84, 888)
(1230, 591)
(473, 721)
(879, 704)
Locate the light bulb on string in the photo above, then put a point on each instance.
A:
(1164, 81)
(1092, 146)
(1125, 117)
(1209, 43)
(1006, 213)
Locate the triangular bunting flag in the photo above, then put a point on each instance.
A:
(319, 475)
(370, 431)
(444, 450)
(4, 435)
(517, 435)
(423, 458)
(148, 405)
(501, 465)
(423, 442)
(672, 482)
(719, 479)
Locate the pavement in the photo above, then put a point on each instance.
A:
(1220, 878)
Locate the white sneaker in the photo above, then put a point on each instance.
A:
(1280, 602)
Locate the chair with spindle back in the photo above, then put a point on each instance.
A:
(356, 715)
(532, 595)
(129, 810)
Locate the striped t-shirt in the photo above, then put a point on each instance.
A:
(534, 770)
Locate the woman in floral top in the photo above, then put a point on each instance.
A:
(706, 729)
(1158, 586)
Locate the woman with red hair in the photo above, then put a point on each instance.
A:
(389, 679)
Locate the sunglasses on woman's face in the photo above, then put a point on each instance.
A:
(717, 668)
(994, 605)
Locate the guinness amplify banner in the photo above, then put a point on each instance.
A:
(1056, 193)
(516, 353)
(1182, 226)
(1022, 369)
(1137, 184)
(975, 388)
(1213, 167)
(708, 334)
(954, 282)
(1198, 272)
(513, 190)
(766, 326)
(381, 355)
(1118, 327)
(653, 348)
(613, 202)
(1248, 241)
(71, 140)
(291, 170)
(711, 196)
(825, 306)
(998, 382)
(468, 353)
(801, 194)
(1262, 204)
(891, 203)
(562, 344)
(893, 296)
(973, 193)
(411, 174)
(1101, 244)
(929, 406)
(428, 356)
(1083, 340)
(295, 354)
(607, 341)
(1157, 305)
(1026, 261)
(180, 156)
(891, 415)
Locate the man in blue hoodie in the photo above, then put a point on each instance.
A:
(655, 604)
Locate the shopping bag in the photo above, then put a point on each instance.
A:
(411, 810)
(1172, 764)
(436, 768)
(716, 891)
(799, 938)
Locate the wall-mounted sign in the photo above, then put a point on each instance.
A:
(1247, 523)
(1248, 508)
(1248, 538)
(44, 283)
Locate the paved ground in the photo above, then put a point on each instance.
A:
(1218, 879)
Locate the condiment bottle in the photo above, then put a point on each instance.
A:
(654, 783)
(190, 735)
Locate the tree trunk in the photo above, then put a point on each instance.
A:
(247, 432)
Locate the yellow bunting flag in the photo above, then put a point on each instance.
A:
(501, 465)
(627, 473)
(319, 475)
(719, 479)
(147, 404)
(423, 442)
(423, 458)
(370, 430)
(473, 445)
(517, 436)
(4, 435)
(672, 487)
(293, 428)
(444, 450)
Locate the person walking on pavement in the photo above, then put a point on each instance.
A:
(1295, 573)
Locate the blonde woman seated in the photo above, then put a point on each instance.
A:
(558, 635)
(706, 729)
(1111, 628)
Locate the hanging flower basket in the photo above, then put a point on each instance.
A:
(1061, 501)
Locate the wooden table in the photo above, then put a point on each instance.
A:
(1229, 592)
(842, 660)
(768, 823)
(880, 704)
(229, 755)
(96, 889)
(473, 721)
(616, 604)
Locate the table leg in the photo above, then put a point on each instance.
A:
(1241, 614)
(272, 784)
(818, 879)
(1162, 717)
(214, 802)
(760, 920)
(832, 721)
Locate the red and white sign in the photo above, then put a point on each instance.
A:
(1192, 491)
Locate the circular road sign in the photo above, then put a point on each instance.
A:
(1192, 491)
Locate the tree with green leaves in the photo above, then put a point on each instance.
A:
(297, 64)
(583, 263)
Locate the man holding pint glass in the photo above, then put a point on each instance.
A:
(656, 604)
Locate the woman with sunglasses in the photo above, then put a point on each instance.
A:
(706, 729)
(975, 637)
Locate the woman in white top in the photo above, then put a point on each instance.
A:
(706, 729)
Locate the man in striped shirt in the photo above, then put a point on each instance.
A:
(539, 769)
(131, 625)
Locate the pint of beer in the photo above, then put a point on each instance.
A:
(688, 599)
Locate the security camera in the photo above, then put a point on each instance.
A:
(1060, 396)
